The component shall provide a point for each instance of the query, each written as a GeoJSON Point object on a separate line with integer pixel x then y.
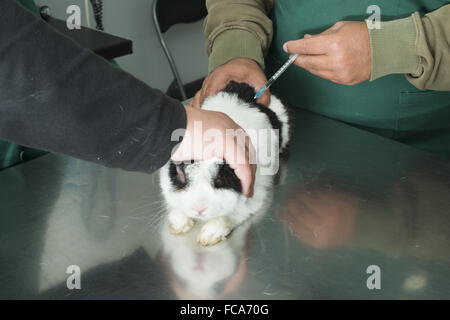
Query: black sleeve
{"type": "Point", "coordinates": [59, 97]}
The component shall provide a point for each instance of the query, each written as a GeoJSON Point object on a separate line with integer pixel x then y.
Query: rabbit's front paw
{"type": "Point", "coordinates": [179, 223]}
{"type": "Point", "coordinates": [214, 231]}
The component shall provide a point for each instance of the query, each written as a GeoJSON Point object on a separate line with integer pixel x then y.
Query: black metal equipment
{"type": "Point", "coordinates": [97, 6]}
{"type": "Point", "coordinates": [167, 13]}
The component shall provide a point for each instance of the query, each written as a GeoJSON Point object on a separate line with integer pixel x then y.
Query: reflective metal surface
{"type": "Point", "coordinates": [347, 200]}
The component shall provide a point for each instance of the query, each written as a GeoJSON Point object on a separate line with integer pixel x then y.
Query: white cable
{"type": "Point", "coordinates": [88, 20]}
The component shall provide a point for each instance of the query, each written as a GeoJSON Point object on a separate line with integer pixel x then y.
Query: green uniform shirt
{"type": "Point", "coordinates": [390, 106]}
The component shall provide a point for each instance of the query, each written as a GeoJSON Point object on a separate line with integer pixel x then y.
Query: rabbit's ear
{"type": "Point", "coordinates": [180, 174]}
{"type": "Point", "coordinates": [177, 175]}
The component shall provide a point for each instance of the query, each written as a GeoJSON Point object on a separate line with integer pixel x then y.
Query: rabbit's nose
{"type": "Point", "coordinates": [200, 212]}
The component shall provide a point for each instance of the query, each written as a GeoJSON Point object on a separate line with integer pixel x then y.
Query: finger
{"type": "Point", "coordinates": [311, 45]}
{"type": "Point", "coordinates": [238, 158]}
{"type": "Point", "coordinates": [206, 83]}
{"type": "Point", "coordinates": [245, 173]}
{"type": "Point", "coordinates": [251, 154]}
{"type": "Point", "coordinates": [316, 62]}
{"type": "Point", "coordinates": [215, 87]}
{"type": "Point", "coordinates": [264, 98]}
{"type": "Point", "coordinates": [201, 97]}
{"type": "Point", "coordinates": [251, 191]}
{"type": "Point", "coordinates": [196, 102]}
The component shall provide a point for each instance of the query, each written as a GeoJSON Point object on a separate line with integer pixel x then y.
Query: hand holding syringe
{"type": "Point", "coordinates": [276, 76]}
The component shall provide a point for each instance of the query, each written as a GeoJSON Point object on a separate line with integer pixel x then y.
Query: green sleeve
{"type": "Point", "coordinates": [237, 29]}
{"type": "Point", "coordinates": [392, 48]}
{"type": "Point", "coordinates": [415, 46]}
{"type": "Point", "coordinates": [233, 44]}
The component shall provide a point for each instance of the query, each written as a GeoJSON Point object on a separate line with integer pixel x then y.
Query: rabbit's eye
{"type": "Point", "coordinates": [178, 175]}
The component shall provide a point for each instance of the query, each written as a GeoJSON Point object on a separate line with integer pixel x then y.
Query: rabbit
{"type": "Point", "coordinates": [209, 191]}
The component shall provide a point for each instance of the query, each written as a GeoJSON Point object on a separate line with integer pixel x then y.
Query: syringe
{"type": "Point", "coordinates": [276, 75]}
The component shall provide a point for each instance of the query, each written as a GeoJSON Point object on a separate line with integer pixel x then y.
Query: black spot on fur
{"type": "Point", "coordinates": [243, 90]}
{"type": "Point", "coordinates": [246, 93]}
{"type": "Point", "coordinates": [174, 177]}
{"type": "Point", "coordinates": [227, 179]}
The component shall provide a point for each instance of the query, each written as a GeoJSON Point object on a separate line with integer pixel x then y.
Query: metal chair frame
{"type": "Point", "coordinates": [167, 53]}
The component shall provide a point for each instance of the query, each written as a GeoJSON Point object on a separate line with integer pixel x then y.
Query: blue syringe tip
{"type": "Point", "coordinates": [259, 93]}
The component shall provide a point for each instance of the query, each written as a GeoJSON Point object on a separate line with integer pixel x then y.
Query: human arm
{"type": "Point", "coordinates": [59, 97]}
{"type": "Point", "coordinates": [417, 47]}
{"type": "Point", "coordinates": [349, 52]}
{"type": "Point", "coordinates": [238, 35]}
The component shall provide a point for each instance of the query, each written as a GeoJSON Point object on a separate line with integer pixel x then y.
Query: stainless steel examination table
{"type": "Point", "coordinates": [353, 216]}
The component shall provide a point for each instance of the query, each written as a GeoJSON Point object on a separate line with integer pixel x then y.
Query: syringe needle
{"type": "Point", "coordinates": [276, 76]}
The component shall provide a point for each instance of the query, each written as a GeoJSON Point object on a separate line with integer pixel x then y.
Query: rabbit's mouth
{"type": "Point", "coordinates": [207, 214]}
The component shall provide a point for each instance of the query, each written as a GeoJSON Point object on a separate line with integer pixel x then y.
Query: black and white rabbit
{"type": "Point", "coordinates": [209, 191]}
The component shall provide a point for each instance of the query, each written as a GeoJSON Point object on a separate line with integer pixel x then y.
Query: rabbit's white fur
{"type": "Point", "coordinates": [225, 208]}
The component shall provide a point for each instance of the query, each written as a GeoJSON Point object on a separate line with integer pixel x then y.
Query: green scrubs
{"type": "Point", "coordinates": [389, 106]}
{"type": "Point", "coordinates": [10, 153]}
